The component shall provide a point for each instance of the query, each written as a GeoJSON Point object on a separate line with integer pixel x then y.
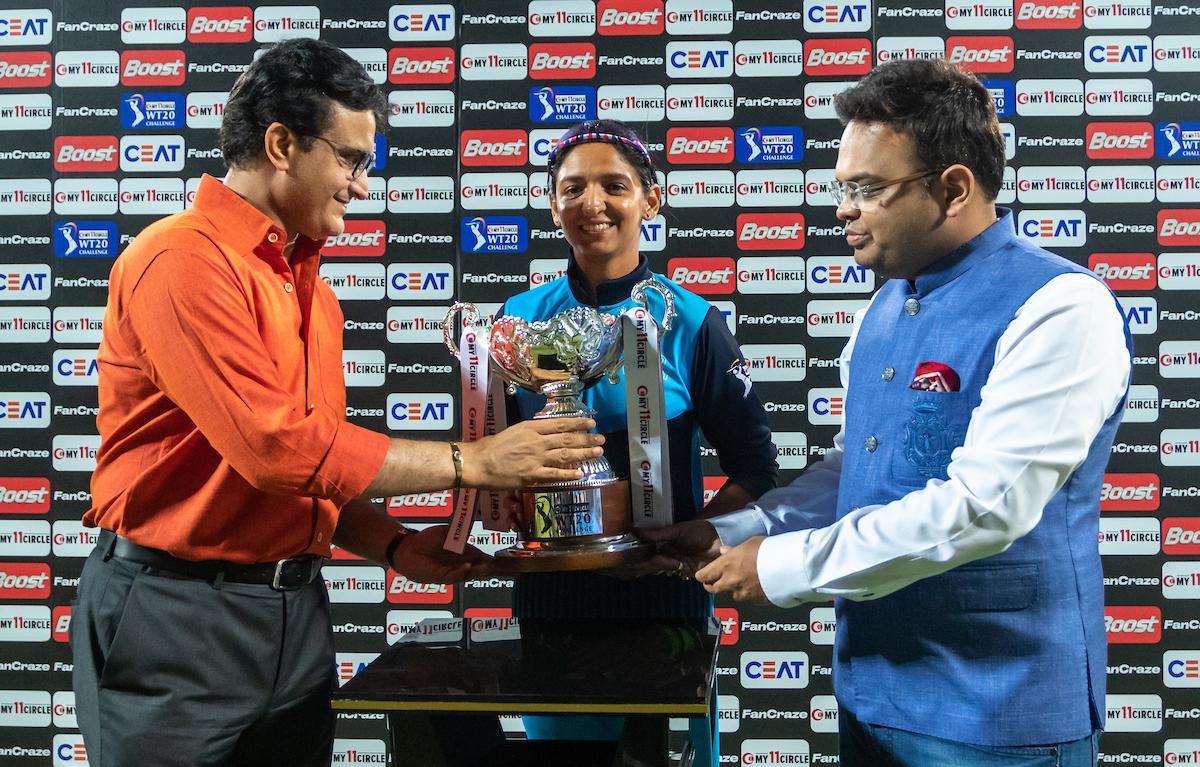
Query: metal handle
{"type": "Point", "coordinates": [469, 313]}
{"type": "Point", "coordinates": [638, 294]}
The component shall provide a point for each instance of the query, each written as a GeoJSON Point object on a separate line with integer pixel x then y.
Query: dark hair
{"type": "Point", "coordinates": [949, 114]}
{"type": "Point", "coordinates": [293, 83]}
{"type": "Point", "coordinates": [642, 163]}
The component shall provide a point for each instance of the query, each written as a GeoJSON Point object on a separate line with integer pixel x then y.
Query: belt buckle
{"type": "Point", "coordinates": [277, 579]}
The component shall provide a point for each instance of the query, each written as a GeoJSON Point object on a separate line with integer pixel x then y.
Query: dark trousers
{"type": "Point", "coordinates": [174, 671]}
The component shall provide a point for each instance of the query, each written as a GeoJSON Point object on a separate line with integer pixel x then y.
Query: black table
{"type": "Point", "coordinates": [476, 668]}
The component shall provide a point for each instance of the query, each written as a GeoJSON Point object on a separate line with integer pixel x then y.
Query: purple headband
{"type": "Point", "coordinates": [611, 138]}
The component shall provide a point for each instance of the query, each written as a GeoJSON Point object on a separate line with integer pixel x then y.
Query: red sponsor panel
{"type": "Point", "coordinates": [24, 580]}
{"type": "Point", "coordinates": [837, 56]}
{"type": "Point", "coordinates": [562, 61]}
{"type": "Point", "coordinates": [85, 154]}
{"type": "Point", "coordinates": [494, 147]}
{"type": "Point", "coordinates": [60, 623]}
{"type": "Point", "coordinates": [1133, 625]}
{"type": "Point", "coordinates": [1119, 141]}
{"type": "Point", "coordinates": [770, 231]}
{"type": "Point", "coordinates": [706, 276]}
{"type": "Point", "coordinates": [153, 68]}
{"type": "Point", "coordinates": [473, 613]}
{"type": "Point", "coordinates": [629, 17]}
{"type": "Point", "coordinates": [700, 145]}
{"type": "Point", "coordinates": [1049, 14]}
{"type": "Point", "coordinates": [433, 504]}
{"type": "Point", "coordinates": [1125, 271]}
{"type": "Point", "coordinates": [1181, 535]}
{"type": "Point", "coordinates": [420, 66]}
{"type": "Point", "coordinates": [728, 618]}
{"type": "Point", "coordinates": [1130, 492]}
{"type": "Point", "coordinates": [220, 24]}
{"type": "Point", "coordinates": [25, 69]}
{"type": "Point", "coordinates": [712, 485]}
{"type": "Point", "coordinates": [404, 591]}
{"type": "Point", "coordinates": [361, 237]}
{"type": "Point", "coordinates": [1179, 227]}
{"type": "Point", "coordinates": [984, 53]}
{"type": "Point", "coordinates": [336, 552]}
{"type": "Point", "coordinates": [24, 495]}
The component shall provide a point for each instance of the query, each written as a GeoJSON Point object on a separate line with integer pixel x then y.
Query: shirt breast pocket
{"type": "Point", "coordinates": [933, 424]}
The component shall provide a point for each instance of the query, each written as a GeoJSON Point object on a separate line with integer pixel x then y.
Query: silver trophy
{"type": "Point", "coordinates": [585, 523]}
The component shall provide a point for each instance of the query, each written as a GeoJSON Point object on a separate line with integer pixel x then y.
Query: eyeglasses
{"type": "Point", "coordinates": [354, 160]}
{"type": "Point", "coordinates": [857, 195]}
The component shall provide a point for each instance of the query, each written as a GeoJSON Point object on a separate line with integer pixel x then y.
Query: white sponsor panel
{"type": "Point", "coordinates": [420, 411]}
{"type": "Point", "coordinates": [420, 194]}
{"type": "Point", "coordinates": [830, 16]}
{"type": "Point", "coordinates": [1177, 53]}
{"type": "Point", "coordinates": [401, 623]}
{"type": "Point", "coordinates": [494, 191]}
{"type": "Point", "coordinates": [710, 102]}
{"type": "Point", "coordinates": [1179, 359]}
{"type": "Point", "coordinates": [1178, 183]}
{"type": "Point", "coordinates": [818, 98]}
{"type": "Point", "coordinates": [78, 324]}
{"type": "Point", "coordinates": [792, 449]}
{"type": "Point", "coordinates": [374, 203]}
{"type": "Point", "coordinates": [907, 48]}
{"type": "Point", "coordinates": [1181, 668]}
{"type": "Point", "coordinates": [25, 324]}
{"type": "Point", "coordinates": [24, 538]}
{"type": "Point", "coordinates": [1120, 183]}
{"type": "Point", "coordinates": [421, 23]}
{"type": "Point", "coordinates": [415, 324]}
{"type": "Point", "coordinates": [25, 708]}
{"type": "Point", "coordinates": [771, 188]}
{"type": "Point", "coordinates": [699, 17]}
{"type": "Point", "coordinates": [355, 281]}
{"type": "Point", "coordinates": [1181, 751]}
{"type": "Point", "coordinates": [63, 706]}
{"type": "Point", "coordinates": [25, 196]}
{"type": "Point", "coordinates": [768, 58]}
{"type": "Point", "coordinates": [152, 154]}
{"type": "Point", "coordinates": [374, 60]}
{"type": "Point", "coordinates": [729, 713]}
{"type": "Point", "coordinates": [1119, 98]}
{"type": "Point", "coordinates": [1141, 314]}
{"type": "Point", "coordinates": [1181, 580]}
{"type": "Point", "coordinates": [74, 452]}
{"type": "Point", "coordinates": [979, 14]}
{"type": "Point", "coordinates": [26, 111]}
{"type": "Point", "coordinates": [774, 670]}
{"type": "Point", "coordinates": [562, 18]}
{"type": "Point", "coordinates": [364, 367]}
{"type": "Point", "coordinates": [631, 103]}
{"type": "Point", "coordinates": [543, 270]}
{"type": "Point", "coordinates": [494, 61]}
{"type": "Point", "coordinates": [1042, 184]}
{"type": "Point", "coordinates": [1179, 271]}
{"type": "Point", "coordinates": [273, 23]}
{"type": "Point", "coordinates": [816, 187]}
{"type": "Point", "coordinates": [1008, 187]}
{"type": "Point", "coordinates": [653, 238]}
{"type": "Point", "coordinates": [205, 109]}
{"type": "Point", "coordinates": [153, 26]}
{"type": "Point", "coordinates": [823, 713]}
{"type": "Point", "coordinates": [833, 317]}
{"type": "Point", "coordinates": [775, 751]}
{"type": "Point", "coordinates": [354, 583]}
{"type": "Point", "coordinates": [24, 623]}
{"type": "Point", "coordinates": [1054, 228]}
{"type": "Point", "coordinates": [74, 367]}
{"type": "Point", "coordinates": [359, 751]}
{"type": "Point", "coordinates": [700, 188]}
{"type": "Point", "coordinates": [699, 59]}
{"type": "Point", "coordinates": [83, 197]}
{"type": "Point", "coordinates": [541, 141]}
{"type": "Point", "coordinates": [87, 69]}
{"type": "Point", "coordinates": [1133, 536]}
{"type": "Point", "coordinates": [1142, 404]}
{"type": "Point", "coordinates": [838, 274]}
{"type": "Point", "coordinates": [1117, 53]}
{"type": "Point", "coordinates": [1117, 14]}
{"type": "Point", "coordinates": [28, 26]}
{"type": "Point", "coordinates": [826, 406]}
{"type": "Point", "coordinates": [1049, 98]}
{"type": "Point", "coordinates": [151, 196]}
{"type": "Point", "coordinates": [1133, 713]}
{"type": "Point", "coordinates": [1179, 447]}
{"type": "Point", "coordinates": [776, 362]}
{"type": "Point", "coordinates": [770, 275]}
{"type": "Point", "coordinates": [24, 410]}
{"type": "Point", "coordinates": [421, 109]}
{"type": "Point", "coordinates": [822, 625]}
{"type": "Point", "coordinates": [728, 310]}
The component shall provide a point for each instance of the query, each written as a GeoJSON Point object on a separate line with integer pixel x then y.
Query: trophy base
{"type": "Point", "coordinates": [538, 557]}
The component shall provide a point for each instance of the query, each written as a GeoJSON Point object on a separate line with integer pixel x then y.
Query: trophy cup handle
{"type": "Point", "coordinates": [469, 313]}
{"type": "Point", "coordinates": [638, 294]}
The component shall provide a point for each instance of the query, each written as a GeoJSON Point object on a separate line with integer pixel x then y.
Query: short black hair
{"type": "Point", "coordinates": [947, 111]}
{"type": "Point", "coordinates": [293, 83]}
{"type": "Point", "coordinates": [642, 164]}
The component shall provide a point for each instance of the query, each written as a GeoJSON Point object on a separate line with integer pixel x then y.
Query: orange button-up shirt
{"type": "Point", "coordinates": [223, 430]}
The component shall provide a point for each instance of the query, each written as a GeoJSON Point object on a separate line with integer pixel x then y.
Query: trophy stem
{"type": "Point", "coordinates": [562, 400]}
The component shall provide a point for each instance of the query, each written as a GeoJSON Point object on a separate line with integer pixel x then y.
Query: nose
{"type": "Point", "coordinates": [593, 199]}
{"type": "Point", "coordinates": [847, 212]}
{"type": "Point", "coordinates": [360, 186]}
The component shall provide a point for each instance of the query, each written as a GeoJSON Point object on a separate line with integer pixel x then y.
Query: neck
{"type": "Point", "coordinates": [253, 186]}
{"type": "Point", "coordinates": [596, 272]}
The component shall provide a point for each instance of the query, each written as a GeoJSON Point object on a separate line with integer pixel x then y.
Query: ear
{"type": "Point", "coordinates": [653, 202]}
{"type": "Point", "coordinates": [279, 145]}
{"type": "Point", "coordinates": [554, 209]}
{"type": "Point", "coordinates": [958, 189]}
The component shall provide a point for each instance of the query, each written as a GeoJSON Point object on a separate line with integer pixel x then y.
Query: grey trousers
{"type": "Point", "coordinates": [174, 671]}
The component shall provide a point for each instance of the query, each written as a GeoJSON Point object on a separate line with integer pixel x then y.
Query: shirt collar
{"type": "Point", "coordinates": [244, 226]}
{"type": "Point", "coordinates": [962, 258]}
{"type": "Point", "coordinates": [609, 292]}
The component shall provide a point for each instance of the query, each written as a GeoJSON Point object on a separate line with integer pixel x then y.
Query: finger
{"type": "Point", "coordinates": [568, 457]}
{"type": "Point", "coordinates": [560, 425]}
{"type": "Point", "coordinates": [710, 573]}
{"type": "Point", "coordinates": [724, 549]}
{"type": "Point", "coordinates": [548, 474]}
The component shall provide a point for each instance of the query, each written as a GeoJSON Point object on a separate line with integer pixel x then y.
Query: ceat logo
{"type": "Point", "coordinates": [85, 154]}
{"type": "Point", "coordinates": [140, 68]}
{"type": "Point", "coordinates": [29, 27]}
{"type": "Point", "coordinates": [69, 749]}
{"type": "Point", "coordinates": [847, 56]}
{"type": "Point", "coordinates": [981, 54]}
{"type": "Point", "coordinates": [219, 25]}
{"type": "Point", "coordinates": [1129, 492]}
{"type": "Point", "coordinates": [1049, 14]}
{"type": "Point", "coordinates": [421, 22]}
{"type": "Point", "coordinates": [562, 61]}
{"type": "Point", "coordinates": [24, 580]}
{"type": "Point", "coordinates": [405, 591]}
{"type": "Point", "coordinates": [60, 623]}
{"type": "Point", "coordinates": [774, 669]}
{"type": "Point", "coordinates": [360, 237]}
{"type": "Point", "coordinates": [1181, 668]}
{"type": "Point", "coordinates": [728, 618]}
{"type": "Point", "coordinates": [770, 231]}
{"type": "Point", "coordinates": [412, 411]}
{"type": "Point", "coordinates": [25, 69]}
{"type": "Point", "coordinates": [1181, 535]}
{"type": "Point", "coordinates": [700, 59]}
{"type": "Point", "coordinates": [833, 16]}
{"type": "Point", "coordinates": [1130, 53]}
{"type": "Point", "coordinates": [418, 66]}
{"type": "Point", "coordinates": [24, 495]}
{"type": "Point", "coordinates": [699, 145]}
{"type": "Point", "coordinates": [1125, 271]}
{"type": "Point", "coordinates": [705, 276]}
{"type": "Point", "coordinates": [1133, 625]}
{"type": "Point", "coordinates": [1054, 227]}
{"type": "Point", "coordinates": [434, 504]}
{"type": "Point", "coordinates": [494, 147]}
{"type": "Point", "coordinates": [1179, 227]}
{"type": "Point", "coordinates": [1120, 141]}
{"type": "Point", "coordinates": [629, 17]}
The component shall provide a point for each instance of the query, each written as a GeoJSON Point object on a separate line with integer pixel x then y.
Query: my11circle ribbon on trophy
{"type": "Point", "coordinates": [590, 522]}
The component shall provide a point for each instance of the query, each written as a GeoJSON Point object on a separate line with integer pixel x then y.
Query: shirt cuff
{"type": "Point", "coordinates": [781, 571]}
{"type": "Point", "coordinates": [737, 526]}
{"type": "Point", "coordinates": [353, 462]}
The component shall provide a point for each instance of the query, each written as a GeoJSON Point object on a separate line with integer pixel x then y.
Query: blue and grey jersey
{"type": "Point", "coordinates": [707, 390]}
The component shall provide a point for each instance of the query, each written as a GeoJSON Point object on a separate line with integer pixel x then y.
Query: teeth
{"type": "Point", "coordinates": [596, 227]}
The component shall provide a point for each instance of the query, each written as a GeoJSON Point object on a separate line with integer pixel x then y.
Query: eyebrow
{"type": "Point", "coordinates": [617, 176]}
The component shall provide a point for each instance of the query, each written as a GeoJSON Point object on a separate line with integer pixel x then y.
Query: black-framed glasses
{"type": "Point", "coordinates": [857, 195]}
{"type": "Point", "coordinates": [354, 160]}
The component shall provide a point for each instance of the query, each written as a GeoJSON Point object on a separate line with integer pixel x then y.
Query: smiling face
{"type": "Point", "coordinates": [599, 203]}
{"type": "Point", "coordinates": [896, 233]}
{"type": "Point", "coordinates": [319, 186]}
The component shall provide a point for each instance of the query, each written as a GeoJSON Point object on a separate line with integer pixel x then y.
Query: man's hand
{"type": "Point", "coordinates": [530, 453]}
{"type": "Point", "coordinates": [685, 547]}
{"type": "Point", "coordinates": [735, 572]}
{"type": "Point", "coordinates": [420, 557]}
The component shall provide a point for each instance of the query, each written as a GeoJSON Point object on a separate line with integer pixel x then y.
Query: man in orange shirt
{"type": "Point", "coordinates": [227, 466]}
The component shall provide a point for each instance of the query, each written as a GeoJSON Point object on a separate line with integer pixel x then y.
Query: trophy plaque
{"type": "Point", "coordinates": [585, 523]}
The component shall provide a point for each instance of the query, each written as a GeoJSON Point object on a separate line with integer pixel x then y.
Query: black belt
{"type": "Point", "coordinates": [282, 575]}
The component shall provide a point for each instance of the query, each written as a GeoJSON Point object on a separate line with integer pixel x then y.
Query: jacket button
{"type": "Point", "coordinates": [272, 237]}
{"type": "Point", "coordinates": [888, 373]}
{"type": "Point", "coordinates": [870, 443]}
{"type": "Point", "coordinates": [912, 306]}
{"type": "Point", "coordinates": [287, 287]}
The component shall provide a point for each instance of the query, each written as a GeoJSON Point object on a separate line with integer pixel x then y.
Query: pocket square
{"type": "Point", "coordinates": [935, 376]}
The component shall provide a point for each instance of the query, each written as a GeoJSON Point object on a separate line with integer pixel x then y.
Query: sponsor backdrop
{"type": "Point", "coordinates": [108, 117]}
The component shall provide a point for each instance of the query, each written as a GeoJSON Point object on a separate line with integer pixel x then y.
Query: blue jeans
{"type": "Point", "coordinates": [872, 745]}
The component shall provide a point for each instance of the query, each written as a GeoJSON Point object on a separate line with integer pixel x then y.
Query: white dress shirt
{"type": "Point", "coordinates": [1061, 369]}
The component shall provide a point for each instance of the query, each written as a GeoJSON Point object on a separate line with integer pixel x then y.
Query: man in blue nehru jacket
{"type": "Point", "coordinates": [954, 522]}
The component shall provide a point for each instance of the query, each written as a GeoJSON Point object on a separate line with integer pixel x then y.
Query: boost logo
{"type": "Point", "coordinates": [417, 66]}
{"type": "Point", "coordinates": [219, 25]}
{"type": "Point", "coordinates": [699, 145]}
{"type": "Point", "coordinates": [141, 68]}
{"type": "Point", "coordinates": [494, 147]}
{"type": "Point", "coordinates": [562, 61]}
{"type": "Point", "coordinates": [981, 54]}
{"type": "Point", "coordinates": [85, 154]}
{"type": "Point", "coordinates": [361, 237]}
{"type": "Point", "coordinates": [1133, 625]}
{"type": "Point", "coordinates": [1124, 271]}
{"type": "Point", "coordinates": [629, 17]}
{"type": "Point", "coordinates": [706, 276]}
{"type": "Point", "coordinates": [848, 56]}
